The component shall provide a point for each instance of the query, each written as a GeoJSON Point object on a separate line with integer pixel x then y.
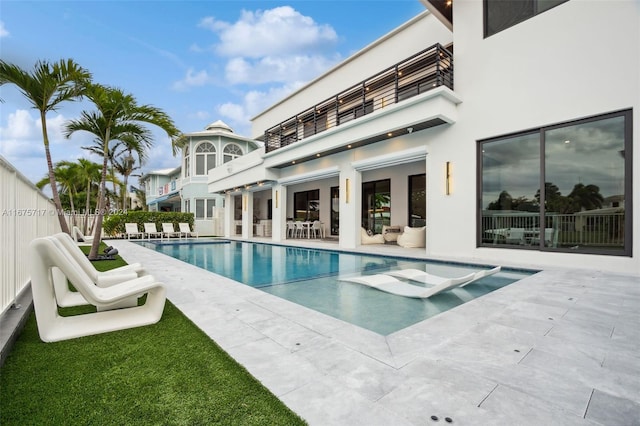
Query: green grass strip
{"type": "Point", "coordinates": [170, 373]}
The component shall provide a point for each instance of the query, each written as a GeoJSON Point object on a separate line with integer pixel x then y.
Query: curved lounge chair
{"type": "Point", "coordinates": [150, 229]}
{"type": "Point", "coordinates": [47, 255]}
{"type": "Point", "coordinates": [186, 230]}
{"type": "Point", "coordinates": [79, 237]}
{"type": "Point", "coordinates": [430, 279]}
{"type": "Point", "coordinates": [390, 284]}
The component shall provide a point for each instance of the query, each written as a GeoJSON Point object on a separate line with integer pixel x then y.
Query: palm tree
{"type": "Point", "coordinates": [118, 116]}
{"type": "Point", "coordinates": [89, 174]}
{"type": "Point", "coordinates": [65, 174]}
{"type": "Point", "coordinates": [45, 88]}
{"type": "Point", "coordinates": [587, 197]}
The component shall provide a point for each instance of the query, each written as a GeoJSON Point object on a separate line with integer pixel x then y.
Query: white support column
{"type": "Point", "coordinates": [350, 201]}
{"type": "Point", "coordinates": [279, 213]}
{"type": "Point", "coordinates": [229, 226]}
{"type": "Point", "coordinates": [247, 214]}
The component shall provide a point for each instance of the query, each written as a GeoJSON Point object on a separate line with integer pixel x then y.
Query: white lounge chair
{"type": "Point", "coordinates": [421, 276]}
{"type": "Point", "coordinates": [390, 284]}
{"type": "Point", "coordinates": [47, 255]}
{"type": "Point", "coordinates": [150, 229]}
{"type": "Point", "coordinates": [79, 237]}
{"type": "Point", "coordinates": [169, 231]}
{"type": "Point", "coordinates": [131, 229]}
{"type": "Point", "coordinates": [186, 230]}
{"type": "Point", "coordinates": [66, 298]}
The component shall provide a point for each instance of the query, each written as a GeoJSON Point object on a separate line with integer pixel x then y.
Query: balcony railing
{"type": "Point", "coordinates": [426, 70]}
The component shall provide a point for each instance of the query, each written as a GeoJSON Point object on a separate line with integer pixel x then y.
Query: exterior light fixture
{"type": "Point", "coordinates": [389, 134]}
{"type": "Point", "coordinates": [347, 190]}
{"type": "Point", "coordinates": [245, 200]}
{"type": "Point", "coordinates": [448, 178]}
{"type": "Point", "coordinates": [277, 199]}
{"type": "Point", "coordinates": [318, 155]}
{"type": "Point", "coordinates": [348, 146]}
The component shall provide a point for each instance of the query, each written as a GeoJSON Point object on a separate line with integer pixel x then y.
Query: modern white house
{"type": "Point", "coordinates": [505, 128]}
{"type": "Point", "coordinates": [184, 188]}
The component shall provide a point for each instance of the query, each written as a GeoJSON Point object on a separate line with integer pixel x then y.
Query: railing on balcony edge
{"type": "Point", "coordinates": [426, 70]}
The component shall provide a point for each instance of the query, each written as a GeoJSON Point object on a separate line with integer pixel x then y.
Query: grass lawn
{"type": "Point", "coordinates": [163, 374]}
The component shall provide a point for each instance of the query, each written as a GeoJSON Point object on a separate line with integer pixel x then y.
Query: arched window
{"type": "Point", "coordinates": [205, 158]}
{"type": "Point", "coordinates": [186, 171]}
{"type": "Point", "coordinates": [231, 151]}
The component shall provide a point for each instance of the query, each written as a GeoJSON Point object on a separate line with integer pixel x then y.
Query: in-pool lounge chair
{"type": "Point", "coordinates": [430, 279]}
{"type": "Point", "coordinates": [46, 254]}
{"type": "Point", "coordinates": [393, 285]}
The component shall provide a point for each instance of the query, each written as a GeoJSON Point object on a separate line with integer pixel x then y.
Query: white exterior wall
{"type": "Point", "coordinates": [408, 39]}
{"type": "Point", "coordinates": [578, 59]}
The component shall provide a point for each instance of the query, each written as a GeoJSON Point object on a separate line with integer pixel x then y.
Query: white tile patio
{"type": "Point", "coordinates": [561, 347]}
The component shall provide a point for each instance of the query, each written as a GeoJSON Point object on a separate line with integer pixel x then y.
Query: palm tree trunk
{"type": "Point", "coordinates": [87, 207]}
{"type": "Point", "coordinates": [64, 227]}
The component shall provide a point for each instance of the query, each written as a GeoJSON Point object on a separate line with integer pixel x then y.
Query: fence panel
{"type": "Point", "coordinates": [25, 214]}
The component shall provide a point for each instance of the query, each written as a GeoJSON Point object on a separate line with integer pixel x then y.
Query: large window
{"type": "Point", "coordinates": [231, 151]}
{"type": "Point", "coordinates": [565, 187]}
{"type": "Point", "coordinates": [502, 14]}
{"type": "Point", "coordinates": [186, 170]}
{"type": "Point", "coordinates": [376, 205]}
{"type": "Point", "coordinates": [307, 205]}
{"type": "Point", "coordinates": [204, 208]}
{"type": "Point", "coordinates": [205, 158]}
{"type": "Point", "coordinates": [417, 201]}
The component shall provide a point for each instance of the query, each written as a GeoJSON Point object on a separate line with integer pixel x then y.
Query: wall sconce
{"type": "Point", "coordinates": [277, 199]}
{"type": "Point", "coordinates": [347, 190]}
{"type": "Point", "coordinates": [244, 203]}
{"type": "Point", "coordinates": [447, 185]}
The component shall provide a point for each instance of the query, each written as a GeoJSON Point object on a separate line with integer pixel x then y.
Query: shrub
{"type": "Point", "coordinates": [114, 223]}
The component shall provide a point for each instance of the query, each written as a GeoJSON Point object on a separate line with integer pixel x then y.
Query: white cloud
{"type": "Point", "coordinates": [193, 79]}
{"type": "Point", "coordinates": [278, 31]}
{"type": "Point", "coordinates": [276, 69]}
{"type": "Point", "coordinates": [253, 102]}
{"type": "Point", "coordinates": [3, 31]}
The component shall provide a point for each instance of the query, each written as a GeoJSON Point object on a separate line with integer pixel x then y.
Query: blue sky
{"type": "Point", "coordinates": [200, 61]}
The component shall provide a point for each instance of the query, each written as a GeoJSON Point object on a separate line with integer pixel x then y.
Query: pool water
{"type": "Point", "coordinates": [309, 278]}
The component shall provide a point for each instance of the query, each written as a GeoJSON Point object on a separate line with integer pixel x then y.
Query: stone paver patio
{"type": "Point", "coordinates": [561, 347]}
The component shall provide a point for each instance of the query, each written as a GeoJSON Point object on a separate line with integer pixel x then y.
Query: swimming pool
{"type": "Point", "coordinates": [309, 277]}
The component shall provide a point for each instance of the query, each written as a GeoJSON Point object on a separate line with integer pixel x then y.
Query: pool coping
{"type": "Point", "coordinates": [479, 363]}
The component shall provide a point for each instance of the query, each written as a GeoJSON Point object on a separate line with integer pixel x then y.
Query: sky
{"type": "Point", "coordinates": [199, 61]}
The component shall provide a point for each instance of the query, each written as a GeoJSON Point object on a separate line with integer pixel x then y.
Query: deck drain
{"type": "Point", "coordinates": [516, 350]}
{"type": "Point", "coordinates": [434, 418]}
{"type": "Point", "coordinates": [448, 419]}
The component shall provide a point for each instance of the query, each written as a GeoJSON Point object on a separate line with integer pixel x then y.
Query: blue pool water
{"type": "Point", "coordinates": [309, 277]}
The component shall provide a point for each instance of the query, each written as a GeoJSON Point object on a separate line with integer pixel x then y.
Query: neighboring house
{"type": "Point", "coordinates": [185, 187]}
{"type": "Point", "coordinates": [162, 189]}
{"type": "Point", "coordinates": [496, 126]}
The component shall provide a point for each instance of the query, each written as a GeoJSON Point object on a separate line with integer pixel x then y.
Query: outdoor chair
{"type": "Point", "coordinates": [150, 229]}
{"type": "Point", "coordinates": [45, 255]}
{"type": "Point", "coordinates": [169, 231]}
{"type": "Point", "coordinates": [79, 237]}
{"type": "Point", "coordinates": [300, 230]}
{"type": "Point", "coordinates": [412, 237]}
{"type": "Point", "coordinates": [316, 229]}
{"type": "Point", "coordinates": [291, 228]}
{"type": "Point", "coordinates": [131, 229]}
{"type": "Point", "coordinates": [365, 238]}
{"type": "Point", "coordinates": [66, 298]}
{"type": "Point", "coordinates": [186, 230]}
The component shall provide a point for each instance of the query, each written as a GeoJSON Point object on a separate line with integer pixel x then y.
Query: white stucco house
{"type": "Point", "coordinates": [506, 131]}
{"type": "Point", "coordinates": [184, 188]}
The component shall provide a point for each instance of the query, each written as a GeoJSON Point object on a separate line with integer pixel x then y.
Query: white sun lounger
{"type": "Point", "coordinates": [47, 255]}
{"type": "Point", "coordinates": [80, 238]}
{"type": "Point", "coordinates": [390, 284]}
{"type": "Point", "coordinates": [430, 279]}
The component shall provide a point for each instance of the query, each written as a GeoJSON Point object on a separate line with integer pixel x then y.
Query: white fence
{"type": "Point", "coordinates": [25, 214]}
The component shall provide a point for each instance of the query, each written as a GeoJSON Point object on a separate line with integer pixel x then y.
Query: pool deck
{"type": "Point", "coordinates": [561, 347]}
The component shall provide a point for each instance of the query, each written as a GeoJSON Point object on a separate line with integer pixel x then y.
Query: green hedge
{"type": "Point", "coordinates": [114, 224]}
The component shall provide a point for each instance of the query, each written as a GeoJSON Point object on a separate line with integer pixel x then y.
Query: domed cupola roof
{"type": "Point", "coordinates": [219, 126]}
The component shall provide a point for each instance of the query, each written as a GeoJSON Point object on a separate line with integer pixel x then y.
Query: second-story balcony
{"type": "Point", "coordinates": [424, 71]}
